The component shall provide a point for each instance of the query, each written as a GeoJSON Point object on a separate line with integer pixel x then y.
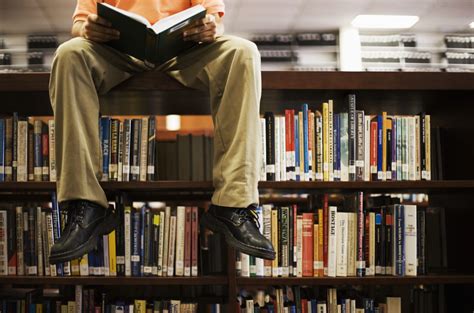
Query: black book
{"type": "Point", "coordinates": [171, 161]}
{"type": "Point", "coordinates": [270, 145]}
{"type": "Point", "coordinates": [155, 43]}
{"type": "Point", "coordinates": [420, 241]}
{"type": "Point", "coordinates": [197, 159]}
{"type": "Point", "coordinates": [352, 136]}
{"type": "Point", "coordinates": [359, 161]}
{"type": "Point", "coordinates": [120, 236]}
{"type": "Point", "coordinates": [150, 174]}
{"type": "Point", "coordinates": [148, 226]}
{"type": "Point", "coordinates": [135, 150]}
{"type": "Point", "coordinates": [184, 157]}
{"type": "Point", "coordinates": [435, 244]}
{"type": "Point", "coordinates": [208, 157]}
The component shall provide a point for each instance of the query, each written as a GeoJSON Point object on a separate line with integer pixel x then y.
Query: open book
{"type": "Point", "coordinates": [155, 43]}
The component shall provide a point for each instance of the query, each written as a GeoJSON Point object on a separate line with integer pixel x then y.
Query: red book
{"type": "Point", "coordinates": [325, 233]}
{"type": "Point", "coordinates": [308, 244]}
{"type": "Point", "coordinates": [373, 149]}
{"type": "Point", "coordinates": [290, 143]}
{"type": "Point", "coordinates": [194, 240]}
{"type": "Point", "coordinates": [304, 302]}
{"type": "Point", "coordinates": [187, 241]}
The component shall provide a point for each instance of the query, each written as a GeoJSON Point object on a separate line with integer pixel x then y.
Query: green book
{"type": "Point", "coordinates": [155, 43]}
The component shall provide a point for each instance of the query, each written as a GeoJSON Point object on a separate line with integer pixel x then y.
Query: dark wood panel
{"type": "Point", "coordinates": [375, 280]}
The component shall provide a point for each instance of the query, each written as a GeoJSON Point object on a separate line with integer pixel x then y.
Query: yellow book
{"type": "Point", "coordinates": [312, 151]}
{"type": "Point", "coordinates": [112, 255]}
{"type": "Point", "coordinates": [331, 140]}
{"type": "Point", "coordinates": [75, 267]}
{"type": "Point", "coordinates": [39, 308]}
{"type": "Point", "coordinates": [315, 249]}
{"type": "Point", "coordinates": [301, 145]}
{"type": "Point", "coordinates": [140, 306]}
{"type": "Point", "coordinates": [275, 269]}
{"type": "Point", "coordinates": [428, 146]}
{"type": "Point", "coordinates": [384, 145]}
{"type": "Point", "coordinates": [84, 265]}
{"type": "Point", "coordinates": [325, 141]}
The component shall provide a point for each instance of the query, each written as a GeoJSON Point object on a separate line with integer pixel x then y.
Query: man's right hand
{"type": "Point", "coordinates": [98, 29]}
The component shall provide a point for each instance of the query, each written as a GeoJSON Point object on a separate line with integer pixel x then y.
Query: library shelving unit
{"type": "Point", "coordinates": [447, 97]}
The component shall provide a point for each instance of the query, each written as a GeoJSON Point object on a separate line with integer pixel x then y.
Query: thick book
{"type": "Point", "coordinates": [155, 43]}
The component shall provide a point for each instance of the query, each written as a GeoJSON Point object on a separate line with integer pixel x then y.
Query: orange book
{"type": "Point", "coordinates": [321, 221]}
{"type": "Point", "coordinates": [307, 244]}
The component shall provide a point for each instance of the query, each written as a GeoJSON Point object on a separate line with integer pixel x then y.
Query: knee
{"type": "Point", "coordinates": [71, 48]}
{"type": "Point", "coordinates": [243, 48]}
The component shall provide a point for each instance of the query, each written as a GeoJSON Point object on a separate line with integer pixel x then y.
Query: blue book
{"type": "Point", "coordinates": [105, 140]}
{"type": "Point", "coordinates": [314, 305]}
{"type": "Point", "coordinates": [368, 305]}
{"type": "Point", "coordinates": [305, 142]}
{"type": "Point", "coordinates": [135, 251]}
{"type": "Point", "coordinates": [2, 150]}
{"type": "Point", "coordinates": [297, 149]}
{"type": "Point", "coordinates": [344, 146]}
{"type": "Point", "coordinates": [91, 262]}
{"type": "Point", "coordinates": [337, 147]}
{"type": "Point", "coordinates": [38, 151]}
{"type": "Point", "coordinates": [292, 308]}
{"type": "Point", "coordinates": [379, 147]}
{"type": "Point", "coordinates": [270, 308]}
{"type": "Point", "coordinates": [399, 220]}
{"type": "Point", "coordinates": [56, 228]}
{"type": "Point", "coordinates": [142, 239]}
{"type": "Point", "coordinates": [342, 302]}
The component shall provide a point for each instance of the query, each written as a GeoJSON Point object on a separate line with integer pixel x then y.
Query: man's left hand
{"type": "Point", "coordinates": [204, 31]}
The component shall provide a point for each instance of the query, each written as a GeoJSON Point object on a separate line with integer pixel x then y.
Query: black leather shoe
{"type": "Point", "coordinates": [240, 228]}
{"type": "Point", "coordinates": [86, 222]}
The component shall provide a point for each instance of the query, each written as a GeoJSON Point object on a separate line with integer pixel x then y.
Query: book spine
{"type": "Point", "coordinates": [127, 141]}
{"type": "Point", "coordinates": [147, 240]}
{"type": "Point", "coordinates": [319, 145]}
{"type": "Point", "coordinates": [373, 148]}
{"type": "Point", "coordinates": [423, 145]}
{"type": "Point", "coordinates": [127, 231]}
{"type": "Point", "coordinates": [352, 243]}
{"type": "Point", "coordinates": [384, 145]}
{"type": "Point", "coordinates": [359, 162]}
{"type": "Point", "coordinates": [160, 244]}
{"type": "Point", "coordinates": [112, 253]}
{"type": "Point", "coordinates": [410, 234]}
{"type": "Point", "coordinates": [428, 146]}
{"type": "Point", "coordinates": [32, 266]}
{"type": "Point", "coordinates": [305, 142]}
{"type": "Point", "coordinates": [388, 140]}
{"type": "Point", "coordinates": [341, 243]}
{"type": "Point", "coordinates": [299, 245]}
{"type": "Point", "coordinates": [3, 243]}
{"type": "Point", "coordinates": [187, 241]}
{"type": "Point", "coordinates": [105, 140]}
{"type": "Point", "coordinates": [331, 140]}
{"type": "Point", "coordinates": [344, 145]}
{"type": "Point", "coordinates": [15, 146]}
{"type": "Point", "coordinates": [52, 150]}
{"type": "Point", "coordinates": [312, 147]}
{"type": "Point", "coordinates": [180, 229]}
{"type": "Point", "coordinates": [50, 233]}
{"type": "Point", "coordinates": [8, 146]}
{"type": "Point", "coordinates": [274, 229]}
{"type": "Point", "coordinates": [135, 243]}
{"type": "Point", "coordinates": [315, 250]}
{"type": "Point", "coordinates": [417, 148]}
{"type": "Point", "coordinates": [143, 223]}
{"type": "Point", "coordinates": [172, 244]}
{"type": "Point", "coordinates": [301, 145]}
{"type": "Point", "coordinates": [337, 151]}
{"type": "Point", "coordinates": [378, 245]}
{"type": "Point", "coordinates": [104, 256]}
{"type": "Point", "coordinates": [372, 243]}
{"type": "Point", "coordinates": [393, 156]}
{"type": "Point", "coordinates": [56, 229]}
{"type": "Point", "coordinates": [283, 176]}
{"type": "Point", "coordinates": [404, 148]}
{"type": "Point", "coordinates": [44, 241]}
{"type": "Point", "coordinates": [421, 241]}
{"type": "Point", "coordinates": [320, 262]}
{"type": "Point", "coordinates": [45, 151]}
{"type": "Point", "coordinates": [194, 240]}
{"type": "Point", "coordinates": [360, 264]}
{"type": "Point", "coordinates": [143, 149]}
{"type": "Point", "coordinates": [388, 240]}
{"type": "Point", "coordinates": [276, 135]}
{"type": "Point", "coordinates": [155, 242]}
{"type": "Point", "coordinates": [270, 147]}
{"type": "Point", "coordinates": [326, 233]}
{"type": "Point", "coordinates": [325, 141]}
{"type": "Point", "coordinates": [398, 121]}
{"type": "Point", "coordinates": [332, 241]}
{"type": "Point", "coordinates": [285, 212]}
{"type": "Point", "coordinates": [352, 137]}
{"type": "Point", "coordinates": [166, 246]}
{"type": "Point", "coordinates": [367, 119]}
{"type": "Point", "coordinates": [38, 156]}
{"type": "Point", "coordinates": [263, 150]}
{"type": "Point", "coordinates": [135, 150]}
{"type": "Point", "coordinates": [113, 160]}
{"type": "Point", "coordinates": [39, 242]}
{"type": "Point", "coordinates": [380, 127]}
{"type": "Point", "coordinates": [120, 152]}
{"type": "Point", "coordinates": [120, 236]}
{"type": "Point", "coordinates": [151, 148]}
{"type": "Point", "coordinates": [11, 245]}
{"type": "Point", "coordinates": [30, 157]}
{"type": "Point", "coordinates": [267, 233]}
{"type": "Point", "coordinates": [411, 148]}
{"type": "Point", "coordinates": [297, 148]}
{"type": "Point", "coordinates": [22, 152]}
{"type": "Point", "coordinates": [291, 238]}
{"type": "Point", "coordinates": [399, 240]}
{"type": "Point", "coordinates": [307, 244]}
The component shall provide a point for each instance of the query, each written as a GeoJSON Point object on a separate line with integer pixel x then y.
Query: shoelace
{"type": "Point", "coordinates": [247, 214]}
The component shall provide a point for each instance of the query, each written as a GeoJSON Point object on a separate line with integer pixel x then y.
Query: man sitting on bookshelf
{"type": "Point", "coordinates": [225, 66]}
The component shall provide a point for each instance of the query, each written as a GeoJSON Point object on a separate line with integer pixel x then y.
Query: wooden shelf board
{"type": "Point", "coordinates": [126, 281]}
{"type": "Point", "coordinates": [298, 187]}
{"type": "Point", "coordinates": [374, 280]}
{"type": "Point", "coordinates": [277, 80]}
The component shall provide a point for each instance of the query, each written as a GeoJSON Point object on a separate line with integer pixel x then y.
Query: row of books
{"type": "Point", "coordinates": [147, 242]}
{"type": "Point", "coordinates": [301, 39]}
{"type": "Point", "coordinates": [460, 58]}
{"type": "Point", "coordinates": [396, 56]}
{"type": "Point", "coordinates": [314, 145]}
{"type": "Point", "coordinates": [464, 41]}
{"type": "Point", "coordinates": [350, 240]}
{"type": "Point", "coordinates": [90, 300]}
{"type": "Point", "coordinates": [394, 40]}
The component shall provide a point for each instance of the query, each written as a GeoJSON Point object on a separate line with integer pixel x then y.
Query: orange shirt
{"type": "Point", "coordinates": [152, 10]}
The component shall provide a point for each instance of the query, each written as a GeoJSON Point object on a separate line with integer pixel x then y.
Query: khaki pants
{"type": "Point", "coordinates": [229, 69]}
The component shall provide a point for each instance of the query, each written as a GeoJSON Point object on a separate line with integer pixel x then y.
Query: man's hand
{"type": "Point", "coordinates": [98, 29]}
{"type": "Point", "coordinates": [204, 31]}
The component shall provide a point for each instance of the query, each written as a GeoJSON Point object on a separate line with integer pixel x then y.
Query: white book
{"type": "Point", "coordinates": [49, 229]}
{"type": "Point", "coordinates": [417, 149]}
{"type": "Point", "coordinates": [160, 244]}
{"type": "Point", "coordinates": [277, 149]}
{"type": "Point", "coordinates": [331, 140]}
{"type": "Point", "coordinates": [267, 232]}
{"type": "Point", "coordinates": [127, 231]}
{"type": "Point", "coordinates": [180, 224]}
{"type": "Point", "coordinates": [171, 246]}
{"type": "Point", "coordinates": [52, 150]}
{"type": "Point", "coordinates": [263, 151]}
{"type": "Point", "coordinates": [332, 241]}
{"type": "Point", "coordinates": [245, 265]}
{"type": "Point", "coordinates": [3, 243]}
{"type": "Point", "coordinates": [22, 157]}
{"type": "Point", "coordinates": [283, 175]}
{"type": "Point", "coordinates": [143, 149]}
{"type": "Point", "coordinates": [410, 233]}
{"type": "Point", "coordinates": [259, 264]}
{"type": "Point", "coordinates": [44, 239]}
{"type": "Point", "coordinates": [166, 240]}
{"type": "Point", "coordinates": [372, 243]}
{"type": "Point", "coordinates": [321, 307]}
{"type": "Point", "coordinates": [299, 246]}
{"type": "Point", "coordinates": [351, 243]}
{"type": "Point", "coordinates": [367, 147]}
{"type": "Point", "coordinates": [120, 152]}
{"type": "Point", "coordinates": [39, 242]}
{"type": "Point", "coordinates": [20, 261]}
{"type": "Point", "coordinates": [341, 243]}
{"type": "Point", "coordinates": [428, 146]}
{"type": "Point", "coordinates": [411, 149]}
{"type": "Point", "coordinates": [394, 305]}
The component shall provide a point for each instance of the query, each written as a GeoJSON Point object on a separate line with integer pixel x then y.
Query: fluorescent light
{"type": "Point", "coordinates": [173, 122]}
{"type": "Point", "coordinates": [471, 25]}
{"type": "Point", "coordinates": [384, 21]}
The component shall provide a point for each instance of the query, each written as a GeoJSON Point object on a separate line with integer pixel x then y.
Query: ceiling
{"type": "Point", "coordinates": [249, 16]}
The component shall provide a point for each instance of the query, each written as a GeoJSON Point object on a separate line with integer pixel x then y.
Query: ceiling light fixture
{"type": "Point", "coordinates": [471, 25]}
{"type": "Point", "coordinates": [384, 21]}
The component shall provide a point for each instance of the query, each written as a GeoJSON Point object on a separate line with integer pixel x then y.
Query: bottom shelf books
{"type": "Point", "coordinates": [345, 300]}
{"type": "Point", "coordinates": [89, 300]}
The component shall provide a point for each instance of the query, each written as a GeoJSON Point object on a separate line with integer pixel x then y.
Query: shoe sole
{"type": "Point", "coordinates": [215, 225]}
{"type": "Point", "coordinates": [106, 227]}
